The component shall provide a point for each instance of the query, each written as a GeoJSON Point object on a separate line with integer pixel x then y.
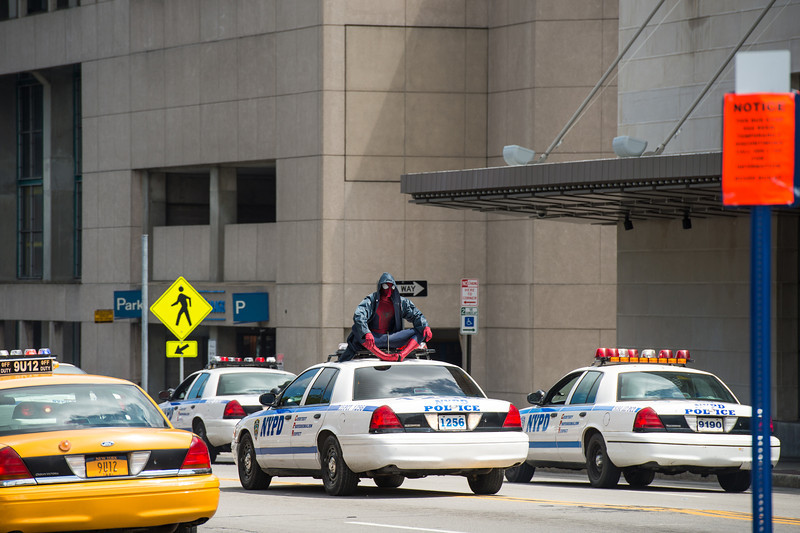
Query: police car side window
{"type": "Point", "coordinates": [586, 390]}
{"type": "Point", "coordinates": [294, 392]}
{"type": "Point", "coordinates": [322, 388]}
{"type": "Point", "coordinates": [197, 389]}
{"type": "Point", "coordinates": [183, 388]}
{"type": "Point", "coordinates": [558, 394]}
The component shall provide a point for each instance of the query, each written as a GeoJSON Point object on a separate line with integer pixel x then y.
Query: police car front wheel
{"type": "Point", "coordinates": [250, 474]}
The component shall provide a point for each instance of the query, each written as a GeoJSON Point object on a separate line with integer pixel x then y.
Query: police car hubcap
{"type": "Point", "coordinates": [332, 466]}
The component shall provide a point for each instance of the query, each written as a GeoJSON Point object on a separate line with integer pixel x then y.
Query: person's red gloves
{"type": "Point", "coordinates": [426, 334]}
{"type": "Point", "coordinates": [369, 342]}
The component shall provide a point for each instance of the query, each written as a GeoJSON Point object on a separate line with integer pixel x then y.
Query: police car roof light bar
{"type": "Point", "coordinates": [631, 355]}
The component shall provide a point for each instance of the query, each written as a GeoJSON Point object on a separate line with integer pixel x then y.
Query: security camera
{"type": "Point", "coordinates": [625, 146]}
{"type": "Point", "coordinates": [517, 155]}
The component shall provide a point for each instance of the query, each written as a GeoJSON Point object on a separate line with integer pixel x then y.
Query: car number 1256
{"type": "Point", "coordinates": [452, 422]}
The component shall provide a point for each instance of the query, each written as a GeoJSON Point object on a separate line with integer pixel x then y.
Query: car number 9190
{"type": "Point", "coordinates": [709, 425]}
{"type": "Point", "coordinates": [452, 422]}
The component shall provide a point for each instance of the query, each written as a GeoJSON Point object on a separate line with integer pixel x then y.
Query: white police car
{"type": "Point", "coordinates": [637, 415]}
{"type": "Point", "coordinates": [210, 401]}
{"type": "Point", "coordinates": [368, 418]}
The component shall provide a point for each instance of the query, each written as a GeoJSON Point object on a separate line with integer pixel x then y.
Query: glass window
{"type": "Point", "coordinates": [30, 164]}
{"type": "Point", "coordinates": [558, 394]}
{"type": "Point", "coordinates": [586, 390]}
{"type": "Point", "coordinates": [197, 389]}
{"type": "Point", "coordinates": [79, 406]}
{"type": "Point", "coordinates": [292, 395]}
{"type": "Point", "coordinates": [676, 385]}
{"type": "Point", "coordinates": [322, 388]}
{"type": "Point", "coordinates": [394, 381]}
{"type": "Point", "coordinates": [183, 388]}
{"type": "Point", "coordinates": [251, 382]}
{"type": "Point", "coordinates": [37, 6]}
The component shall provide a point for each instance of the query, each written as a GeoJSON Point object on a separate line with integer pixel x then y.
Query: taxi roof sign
{"type": "Point", "coordinates": [27, 366]}
{"type": "Point", "coordinates": [181, 308]}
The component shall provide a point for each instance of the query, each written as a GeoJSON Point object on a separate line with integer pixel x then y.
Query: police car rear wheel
{"type": "Point", "coordinates": [639, 477]}
{"type": "Point", "coordinates": [602, 472]}
{"type": "Point", "coordinates": [337, 477]}
{"type": "Point", "coordinates": [486, 483]}
{"type": "Point", "coordinates": [250, 474]}
{"type": "Point", "coordinates": [520, 474]}
{"type": "Point", "coordinates": [389, 482]}
{"type": "Point", "coordinates": [735, 481]}
{"type": "Point", "coordinates": [199, 429]}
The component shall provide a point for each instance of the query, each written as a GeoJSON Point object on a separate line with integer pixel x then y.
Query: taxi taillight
{"type": "Point", "coordinates": [12, 467]}
{"type": "Point", "coordinates": [197, 460]}
{"type": "Point", "coordinates": [233, 409]}
{"type": "Point", "coordinates": [512, 419]}
{"type": "Point", "coordinates": [647, 420]}
{"type": "Point", "coordinates": [384, 419]}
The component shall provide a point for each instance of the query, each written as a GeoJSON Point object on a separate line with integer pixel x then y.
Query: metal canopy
{"type": "Point", "coordinates": [603, 191]}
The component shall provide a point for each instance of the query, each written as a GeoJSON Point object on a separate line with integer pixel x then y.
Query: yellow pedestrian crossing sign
{"type": "Point", "coordinates": [181, 308]}
{"type": "Point", "coordinates": [181, 348]}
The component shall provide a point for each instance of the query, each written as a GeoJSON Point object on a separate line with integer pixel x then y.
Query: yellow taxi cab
{"type": "Point", "coordinates": [84, 452]}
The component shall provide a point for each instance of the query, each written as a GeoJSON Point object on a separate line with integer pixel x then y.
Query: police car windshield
{"type": "Point", "coordinates": [658, 385]}
{"type": "Point", "coordinates": [394, 381]}
{"type": "Point", "coordinates": [67, 407]}
{"type": "Point", "coordinates": [250, 382]}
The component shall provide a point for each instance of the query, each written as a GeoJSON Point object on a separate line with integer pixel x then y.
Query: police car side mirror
{"type": "Point", "coordinates": [165, 395]}
{"type": "Point", "coordinates": [536, 398]}
{"type": "Point", "coordinates": [268, 398]}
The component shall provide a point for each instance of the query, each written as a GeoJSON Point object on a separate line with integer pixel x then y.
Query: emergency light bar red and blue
{"type": "Point", "coordinates": [631, 355]}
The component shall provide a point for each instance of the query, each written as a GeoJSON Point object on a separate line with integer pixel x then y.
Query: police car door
{"type": "Point", "coordinates": [308, 420]}
{"type": "Point", "coordinates": [274, 429]}
{"type": "Point", "coordinates": [575, 415]}
{"type": "Point", "coordinates": [178, 410]}
{"type": "Point", "coordinates": [542, 423]}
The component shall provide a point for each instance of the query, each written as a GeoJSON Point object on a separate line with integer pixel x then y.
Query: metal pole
{"type": "Point", "coordinates": [469, 354]}
{"type": "Point", "coordinates": [145, 311]}
{"type": "Point", "coordinates": [760, 330]}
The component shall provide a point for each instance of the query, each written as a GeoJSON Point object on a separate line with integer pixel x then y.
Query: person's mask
{"type": "Point", "coordinates": [385, 286]}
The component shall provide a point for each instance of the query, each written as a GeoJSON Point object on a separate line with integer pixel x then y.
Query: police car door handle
{"type": "Point", "coordinates": [553, 415]}
{"type": "Point", "coordinates": [582, 414]}
{"type": "Point", "coordinates": [317, 415]}
{"type": "Point", "coordinates": [288, 417]}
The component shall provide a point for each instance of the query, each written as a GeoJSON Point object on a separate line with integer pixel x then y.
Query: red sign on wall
{"type": "Point", "coordinates": [758, 145]}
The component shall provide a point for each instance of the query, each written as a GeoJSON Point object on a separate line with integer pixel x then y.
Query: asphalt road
{"type": "Point", "coordinates": [553, 501]}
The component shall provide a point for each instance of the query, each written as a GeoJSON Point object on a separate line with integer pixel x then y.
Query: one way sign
{"type": "Point", "coordinates": [412, 288]}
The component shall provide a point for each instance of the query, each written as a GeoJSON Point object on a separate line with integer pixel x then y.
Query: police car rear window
{"type": "Point", "coordinates": [65, 407]}
{"type": "Point", "coordinates": [671, 386]}
{"type": "Point", "coordinates": [250, 382]}
{"type": "Point", "coordinates": [395, 381]}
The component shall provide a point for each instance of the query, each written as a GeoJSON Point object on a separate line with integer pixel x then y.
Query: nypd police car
{"type": "Point", "coordinates": [84, 452]}
{"type": "Point", "coordinates": [368, 418]}
{"type": "Point", "coordinates": [635, 415]}
{"type": "Point", "coordinates": [210, 401]}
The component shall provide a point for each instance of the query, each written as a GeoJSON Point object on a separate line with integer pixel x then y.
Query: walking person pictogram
{"type": "Point", "coordinates": [185, 303]}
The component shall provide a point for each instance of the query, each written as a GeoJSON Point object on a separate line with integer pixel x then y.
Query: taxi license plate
{"type": "Point", "coordinates": [709, 425]}
{"type": "Point", "coordinates": [452, 422]}
{"type": "Point", "coordinates": [107, 466]}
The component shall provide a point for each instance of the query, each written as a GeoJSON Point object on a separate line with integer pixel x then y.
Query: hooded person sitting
{"type": "Point", "coordinates": [378, 323]}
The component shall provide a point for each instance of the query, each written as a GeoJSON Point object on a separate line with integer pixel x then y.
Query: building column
{"type": "Point", "coordinates": [47, 185]}
{"type": "Point", "coordinates": [222, 211]}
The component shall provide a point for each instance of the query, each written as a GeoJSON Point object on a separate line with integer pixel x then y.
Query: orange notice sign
{"type": "Point", "coordinates": [758, 143]}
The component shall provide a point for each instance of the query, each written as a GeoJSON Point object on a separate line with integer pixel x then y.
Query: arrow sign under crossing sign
{"type": "Point", "coordinates": [181, 348]}
{"type": "Point", "coordinates": [181, 308]}
{"type": "Point", "coordinates": [412, 288]}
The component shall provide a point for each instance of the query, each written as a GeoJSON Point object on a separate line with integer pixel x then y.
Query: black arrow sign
{"type": "Point", "coordinates": [412, 288]}
{"type": "Point", "coordinates": [179, 351]}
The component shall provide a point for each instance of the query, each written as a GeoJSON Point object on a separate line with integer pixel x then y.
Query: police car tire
{"type": "Point", "coordinates": [199, 429]}
{"type": "Point", "coordinates": [601, 471]}
{"type": "Point", "coordinates": [250, 474]}
{"type": "Point", "coordinates": [520, 474]}
{"type": "Point", "coordinates": [389, 482]}
{"type": "Point", "coordinates": [735, 481]}
{"type": "Point", "coordinates": [337, 477]}
{"type": "Point", "coordinates": [639, 477]}
{"type": "Point", "coordinates": [489, 483]}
